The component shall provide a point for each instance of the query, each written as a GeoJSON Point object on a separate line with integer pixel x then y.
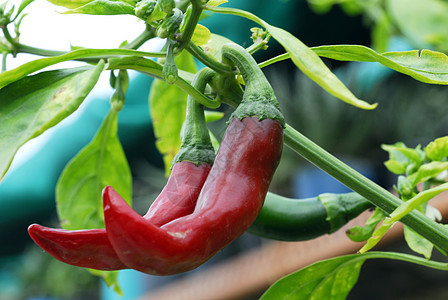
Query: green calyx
{"type": "Point", "coordinates": [341, 208]}
{"type": "Point", "coordinates": [195, 153]}
{"type": "Point", "coordinates": [196, 145]}
{"type": "Point", "coordinates": [260, 107]}
{"type": "Point", "coordinates": [169, 71]}
{"type": "Point", "coordinates": [259, 99]}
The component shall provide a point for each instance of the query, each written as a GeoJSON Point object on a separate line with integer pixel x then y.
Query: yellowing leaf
{"type": "Point", "coordinates": [216, 2]}
{"type": "Point", "coordinates": [214, 45]}
{"type": "Point", "coordinates": [201, 35]}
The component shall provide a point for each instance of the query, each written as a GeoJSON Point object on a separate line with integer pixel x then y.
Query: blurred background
{"type": "Point", "coordinates": [408, 111]}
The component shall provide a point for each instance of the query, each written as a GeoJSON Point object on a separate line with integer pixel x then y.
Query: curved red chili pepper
{"type": "Point", "coordinates": [229, 202]}
{"type": "Point", "coordinates": [91, 248]}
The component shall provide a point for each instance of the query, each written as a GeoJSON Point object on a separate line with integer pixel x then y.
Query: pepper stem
{"type": "Point", "coordinates": [259, 99]}
{"type": "Point", "coordinates": [196, 145]}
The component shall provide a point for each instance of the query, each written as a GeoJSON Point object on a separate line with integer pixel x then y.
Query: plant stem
{"type": "Point", "coordinates": [380, 197]}
{"type": "Point", "coordinates": [145, 36]}
{"type": "Point", "coordinates": [191, 24]}
{"type": "Point", "coordinates": [208, 60]}
{"type": "Point", "coordinates": [154, 69]}
{"type": "Point", "coordinates": [256, 83]}
{"type": "Point", "coordinates": [407, 258]}
{"type": "Point", "coordinates": [4, 56]}
{"type": "Point", "coordinates": [196, 145]}
{"type": "Point", "coordinates": [8, 36]}
{"type": "Point", "coordinates": [259, 45]}
{"type": "Point", "coordinates": [135, 44]}
{"type": "Point", "coordinates": [234, 11]}
{"type": "Point", "coordinates": [38, 51]}
{"type": "Point", "coordinates": [38, 64]}
{"type": "Point", "coordinates": [273, 60]}
{"type": "Point", "coordinates": [198, 96]}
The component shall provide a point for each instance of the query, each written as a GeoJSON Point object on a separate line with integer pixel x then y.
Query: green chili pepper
{"type": "Point", "coordinates": [287, 219]}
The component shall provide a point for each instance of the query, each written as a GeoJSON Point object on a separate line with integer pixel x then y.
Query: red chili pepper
{"type": "Point", "coordinates": [91, 248]}
{"type": "Point", "coordinates": [231, 197]}
{"type": "Point", "coordinates": [230, 200]}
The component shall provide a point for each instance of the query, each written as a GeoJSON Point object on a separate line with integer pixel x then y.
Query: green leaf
{"type": "Point", "coordinates": [395, 166]}
{"type": "Point", "coordinates": [33, 104]}
{"type": "Point", "coordinates": [110, 278]}
{"type": "Point", "coordinates": [399, 159]}
{"type": "Point", "coordinates": [213, 116]}
{"type": "Point", "coordinates": [381, 32]}
{"type": "Point", "coordinates": [312, 66]}
{"type": "Point", "coordinates": [23, 5]}
{"type": "Point", "coordinates": [3, 5]}
{"type": "Point", "coordinates": [304, 58]}
{"type": "Point", "coordinates": [401, 211]}
{"type": "Point", "coordinates": [335, 277]}
{"type": "Point", "coordinates": [363, 233]}
{"type": "Point", "coordinates": [438, 149]}
{"type": "Point", "coordinates": [418, 243]}
{"type": "Point", "coordinates": [403, 159]}
{"type": "Point", "coordinates": [428, 171]}
{"type": "Point", "coordinates": [321, 6]}
{"type": "Point", "coordinates": [104, 7]}
{"type": "Point", "coordinates": [215, 142]}
{"type": "Point", "coordinates": [79, 190]}
{"type": "Point", "coordinates": [157, 14]}
{"type": "Point", "coordinates": [328, 279]}
{"type": "Point", "coordinates": [424, 23]}
{"type": "Point", "coordinates": [201, 35]}
{"type": "Point", "coordinates": [38, 64]}
{"type": "Point", "coordinates": [426, 66]}
{"type": "Point", "coordinates": [412, 154]}
{"type": "Point", "coordinates": [70, 3]}
{"type": "Point", "coordinates": [168, 107]}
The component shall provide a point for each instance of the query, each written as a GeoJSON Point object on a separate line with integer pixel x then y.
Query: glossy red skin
{"type": "Point", "coordinates": [91, 248]}
{"type": "Point", "coordinates": [179, 196]}
{"type": "Point", "coordinates": [229, 202]}
{"type": "Point", "coordinates": [88, 248]}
